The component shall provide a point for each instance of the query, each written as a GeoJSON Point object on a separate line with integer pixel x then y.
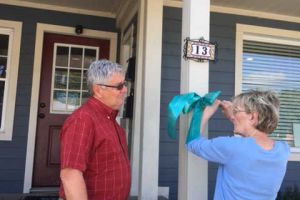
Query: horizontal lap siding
{"type": "Point", "coordinates": [13, 153]}
{"type": "Point", "coordinates": [170, 86]}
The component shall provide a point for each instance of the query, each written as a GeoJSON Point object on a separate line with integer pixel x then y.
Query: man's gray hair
{"type": "Point", "coordinates": [265, 103]}
{"type": "Point", "coordinates": [101, 71]}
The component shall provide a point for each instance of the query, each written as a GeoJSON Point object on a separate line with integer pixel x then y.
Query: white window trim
{"type": "Point", "coordinates": [13, 29]}
{"type": "Point", "coordinates": [251, 32]}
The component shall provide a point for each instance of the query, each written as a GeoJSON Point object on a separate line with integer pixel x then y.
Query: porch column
{"type": "Point", "coordinates": [193, 171]}
{"type": "Point", "coordinates": [149, 62]}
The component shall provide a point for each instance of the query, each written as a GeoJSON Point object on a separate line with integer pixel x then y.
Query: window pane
{"type": "Point", "coordinates": [76, 57]}
{"type": "Point", "coordinates": [89, 57]}
{"type": "Point", "coordinates": [85, 96]}
{"type": "Point", "coordinates": [75, 79]}
{"type": "Point", "coordinates": [73, 100]}
{"type": "Point", "coordinates": [276, 67]}
{"type": "Point", "coordinates": [4, 44]}
{"type": "Point", "coordinates": [62, 55]}
{"type": "Point", "coordinates": [84, 81]}
{"type": "Point", "coordinates": [61, 78]}
{"type": "Point", "coordinates": [59, 101]}
{"type": "Point", "coordinates": [3, 64]}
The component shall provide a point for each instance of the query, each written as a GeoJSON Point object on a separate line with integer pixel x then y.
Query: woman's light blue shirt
{"type": "Point", "coordinates": [246, 171]}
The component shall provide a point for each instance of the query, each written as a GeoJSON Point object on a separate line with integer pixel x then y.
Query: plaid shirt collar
{"type": "Point", "coordinates": [102, 108]}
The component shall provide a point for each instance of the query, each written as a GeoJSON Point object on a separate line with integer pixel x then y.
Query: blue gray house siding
{"type": "Point", "coordinates": [221, 77]}
{"type": "Point", "coordinates": [13, 153]}
{"type": "Point", "coordinates": [170, 86]}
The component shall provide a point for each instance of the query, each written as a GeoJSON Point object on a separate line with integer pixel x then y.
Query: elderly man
{"type": "Point", "coordinates": [94, 155]}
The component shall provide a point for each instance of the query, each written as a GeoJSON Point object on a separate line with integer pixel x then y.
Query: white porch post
{"type": "Point", "coordinates": [193, 171]}
{"type": "Point", "coordinates": [149, 60]}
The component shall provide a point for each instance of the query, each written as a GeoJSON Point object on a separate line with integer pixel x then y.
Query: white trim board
{"type": "Point", "coordinates": [57, 8]}
{"type": "Point", "coordinates": [237, 11]}
{"type": "Point", "coordinates": [40, 30]}
{"type": "Point", "coordinates": [252, 13]}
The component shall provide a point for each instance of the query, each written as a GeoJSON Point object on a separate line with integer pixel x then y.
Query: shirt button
{"type": "Point", "coordinates": [108, 117]}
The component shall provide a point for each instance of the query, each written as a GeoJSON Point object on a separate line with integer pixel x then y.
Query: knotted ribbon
{"type": "Point", "coordinates": [185, 103]}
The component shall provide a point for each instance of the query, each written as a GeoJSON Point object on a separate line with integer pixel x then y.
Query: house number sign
{"type": "Point", "coordinates": [199, 50]}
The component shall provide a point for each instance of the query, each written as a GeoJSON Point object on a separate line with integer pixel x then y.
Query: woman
{"type": "Point", "coordinates": [252, 166]}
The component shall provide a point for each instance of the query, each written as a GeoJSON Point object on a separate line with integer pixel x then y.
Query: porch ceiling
{"type": "Point", "coordinates": [282, 7]}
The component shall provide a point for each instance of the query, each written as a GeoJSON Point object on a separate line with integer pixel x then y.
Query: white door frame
{"type": "Point", "coordinates": [40, 30]}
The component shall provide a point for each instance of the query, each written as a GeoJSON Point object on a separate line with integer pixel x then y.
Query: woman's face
{"type": "Point", "coordinates": [242, 121]}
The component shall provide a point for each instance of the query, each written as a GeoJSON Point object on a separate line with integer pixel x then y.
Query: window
{"type": "Point", "coordinates": [270, 59]}
{"type": "Point", "coordinates": [69, 85]}
{"type": "Point", "coordinates": [10, 39]}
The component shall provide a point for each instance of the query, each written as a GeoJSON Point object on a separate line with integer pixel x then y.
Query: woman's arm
{"type": "Point", "coordinates": [227, 109]}
{"type": "Point", "coordinates": [208, 112]}
{"type": "Point", "coordinates": [215, 150]}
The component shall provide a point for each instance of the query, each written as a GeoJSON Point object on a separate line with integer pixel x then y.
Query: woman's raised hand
{"type": "Point", "coordinates": [227, 109]}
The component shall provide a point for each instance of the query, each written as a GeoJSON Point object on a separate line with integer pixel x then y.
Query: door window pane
{"type": "Point", "coordinates": [60, 81]}
{"type": "Point", "coordinates": [85, 96]}
{"type": "Point", "coordinates": [62, 56]}
{"type": "Point", "coordinates": [59, 101]}
{"type": "Point", "coordinates": [89, 57]}
{"type": "Point", "coordinates": [73, 100]}
{"type": "Point", "coordinates": [84, 81]}
{"type": "Point", "coordinates": [75, 79]}
{"type": "Point", "coordinates": [76, 57]}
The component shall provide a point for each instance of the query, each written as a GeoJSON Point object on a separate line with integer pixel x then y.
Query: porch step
{"type": "Point", "coordinates": [41, 198]}
{"type": "Point", "coordinates": [44, 197]}
{"type": "Point", "coordinates": [159, 198]}
{"type": "Point", "coordinates": [28, 197]}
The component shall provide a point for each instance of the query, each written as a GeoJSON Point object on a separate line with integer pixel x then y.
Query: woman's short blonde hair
{"type": "Point", "coordinates": [265, 103]}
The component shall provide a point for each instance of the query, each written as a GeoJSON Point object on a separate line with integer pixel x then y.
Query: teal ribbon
{"type": "Point", "coordinates": [184, 104]}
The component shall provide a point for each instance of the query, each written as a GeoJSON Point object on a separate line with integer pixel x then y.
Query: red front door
{"type": "Point", "coordinates": [62, 89]}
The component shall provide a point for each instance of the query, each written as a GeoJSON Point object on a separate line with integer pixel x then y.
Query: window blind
{"type": "Point", "coordinates": [276, 67]}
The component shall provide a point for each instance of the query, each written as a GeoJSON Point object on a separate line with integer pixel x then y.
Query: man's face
{"type": "Point", "coordinates": [110, 96]}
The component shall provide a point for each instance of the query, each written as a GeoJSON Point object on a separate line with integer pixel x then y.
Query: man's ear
{"type": "Point", "coordinates": [97, 91]}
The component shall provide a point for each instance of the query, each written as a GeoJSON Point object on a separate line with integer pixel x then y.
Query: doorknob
{"type": "Point", "coordinates": [41, 115]}
{"type": "Point", "coordinates": [42, 105]}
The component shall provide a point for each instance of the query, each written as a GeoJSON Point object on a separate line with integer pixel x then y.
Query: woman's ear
{"type": "Point", "coordinates": [254, 118]}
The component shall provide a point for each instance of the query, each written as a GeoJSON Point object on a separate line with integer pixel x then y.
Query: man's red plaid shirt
{"type": "Point", "coordinates": [93, 142]}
